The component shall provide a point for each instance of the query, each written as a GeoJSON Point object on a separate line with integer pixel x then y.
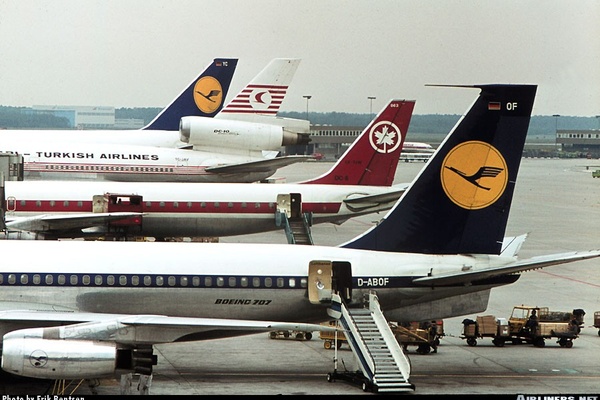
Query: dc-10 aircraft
{"type": "Point", "coordinates": [359, 183]}
{"type": "Point", "coordinates": [437, 254]}
{"type": "Point", "coordinates": [238, 148]}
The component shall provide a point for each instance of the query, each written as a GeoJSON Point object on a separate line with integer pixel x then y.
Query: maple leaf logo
{"type": "Point", "coordinates": [385, 137]}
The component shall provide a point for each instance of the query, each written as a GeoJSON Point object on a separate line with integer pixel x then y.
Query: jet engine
{"type": "Point", "coordinates": [72, 359]}
{"type": "Point", "coordinates": [202, 132]}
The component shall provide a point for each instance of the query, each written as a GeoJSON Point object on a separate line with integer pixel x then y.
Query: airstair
{"type": "Point", "coordinates": [384, 368]}
{"type": "Point", "coordinates": [289, 215]}
{"type": "Point", "coordinates": [297, 229]}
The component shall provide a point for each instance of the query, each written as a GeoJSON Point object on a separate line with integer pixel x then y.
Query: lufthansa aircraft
{"type": "Point", "coordinates": [439, 251]}
{"type": "Point", "coordinates": [238, 147]}
{"type": "Point", "coordinates": [359, 183]}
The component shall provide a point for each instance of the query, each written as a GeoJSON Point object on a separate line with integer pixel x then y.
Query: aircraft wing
{"type": "Point", "coordinates": [148, 328]}
{"type": "Point", "coordinates": [266, 165]}
{"type": "Point", "coordinates": [465, 277]}
{"type": "Point", "coordinates": [360, 202]}
{"type": "Point", "coordinates": [52, 222]}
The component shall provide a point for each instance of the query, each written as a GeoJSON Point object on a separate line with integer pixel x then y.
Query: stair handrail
{"type": "Point", "coordinates": [382, 324]}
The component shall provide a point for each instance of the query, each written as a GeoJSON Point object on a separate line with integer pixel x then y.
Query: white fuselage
{"type": "Point", "coordinates": [217, 280]}
{"type": "Point", "coordinates": [193, 209]}
{"type": "Point", "coordinates": [126, 156]}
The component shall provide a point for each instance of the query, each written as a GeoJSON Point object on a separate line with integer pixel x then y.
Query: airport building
{"type": "Point", "coordinates": [85, 117]}
{"type": "Point", "coordinates": [586, 142]}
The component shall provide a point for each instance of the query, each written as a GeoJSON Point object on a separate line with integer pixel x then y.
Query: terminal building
{"type": "Point", "coordinates": [82, 117]}
{"type": "Point", "coordinates": [584, 142]}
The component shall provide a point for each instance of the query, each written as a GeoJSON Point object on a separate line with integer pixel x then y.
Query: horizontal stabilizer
{"type": "Point", "coordinates": [466, 277]}
{"type": "Point", "coordinates": [258, 166]}
{"type": "Point", "coordinates": [357, 202]}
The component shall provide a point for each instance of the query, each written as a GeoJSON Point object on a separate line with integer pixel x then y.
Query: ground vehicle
{"type": "Point", "coordinates": [597, 321]}
{"type": "Point", "coordinates": [527, 325]}
{"type": "Point", "coordinates": [425, 335]}
{"type": "Point", "coordinates": [596, 173]}
{"type": "Point", "coordinates": [298, 335]}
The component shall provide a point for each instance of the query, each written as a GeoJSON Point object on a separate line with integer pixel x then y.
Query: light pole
{"type": "Point", "coordinates": [371, 98]}
{"type": "Point", "coordinates": [556, 129]}
{"type": "Point", "coordinates": [307, 97]}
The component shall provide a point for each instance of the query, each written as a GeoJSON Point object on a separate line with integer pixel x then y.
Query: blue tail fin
{"type": "Point", "coordinates": [202, 98]}
{"type": "Point", "coordinates": [460, 201]}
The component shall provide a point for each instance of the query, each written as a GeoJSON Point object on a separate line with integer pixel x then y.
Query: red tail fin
{"type": "Point", "coordinates": [373, 157]}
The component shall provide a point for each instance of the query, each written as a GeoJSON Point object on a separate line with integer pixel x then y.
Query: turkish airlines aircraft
{"type": "Point", "coordinates": [438, 253]}
{"type": "Point", "coordinates": [239, 148]}
{"type": "Point", "coordinates": [359, 183]}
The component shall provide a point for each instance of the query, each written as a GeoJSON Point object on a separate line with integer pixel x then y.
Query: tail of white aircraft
{"type": "Point", "coordinates": [459, 203]}
{"type": "Point", "coordinates": [266, 92]}
{"type": "Point", "coordinates": [203, 97]}
{"type": "Point", "coordinates": [373, 157]}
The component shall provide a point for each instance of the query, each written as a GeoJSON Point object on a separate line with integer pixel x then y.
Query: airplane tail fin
{"type": "Point", "coordinates": [266, 92]}
{"type": "Point", "coordinates": [460, 201]}
{"type": "Point", "coordinates": [374, 155]}
{"type": "Point", "coordinates": [202, 98]}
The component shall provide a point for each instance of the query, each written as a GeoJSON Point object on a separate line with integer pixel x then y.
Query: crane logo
{"type": "Point", "coordinates": [38, 358]}
{"type": "Point", "coordinates": [385, 137]}
{"type": "Point", "coordinates": [208, 94]}
{"type": "Point", "coordinates": [474, 175]}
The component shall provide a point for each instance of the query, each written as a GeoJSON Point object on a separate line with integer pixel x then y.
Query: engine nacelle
{"type": "Point", "coordinates": [58, 359]}
{"type": "Point", "coordinates": [240, 135]}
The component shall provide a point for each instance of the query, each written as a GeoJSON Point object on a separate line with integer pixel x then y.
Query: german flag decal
{"type": "Point", "coordinates": [474, 175]}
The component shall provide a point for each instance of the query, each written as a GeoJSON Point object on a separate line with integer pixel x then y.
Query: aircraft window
{"type": "Point", "coordinates": [86, 280]}
{"type": "Point", "coordinates": [232, 281]}
{"type": "Point", "coordinates": [217, 205]}
{"type": "Point", "coordinates": [122, 280]}
{"type": "Point", "coordinates": [256, 205]}
{"type": "Point", "coordinates": [183, 281]}
{"type": "Point", "coordinates": [23, 202]}
{"type": "Point", "coordinates": [220, 281]}
{"type": "Point", "coordinates": [98, 280]}
{"type": "Point", "coordinates": [175, 204]}
{"type": "Point", "coordinates": [80, 204]}
{"type": "Point", "coordinates": [161, 204]}
{"type": "Point", "coordinates": [36, 279]}
{"type": "Point", "coordinates": [12, 279]}
{"type": "Point", "coordinates": [38, 203]}
{"type": "Point", "coordinates": [303, 282]}
{"type": "Point", "coordinates": [196, 281]}
{"type": "Point", "coordinates": [280, 282]}
{"type": "Point", "coordinates": [203, 204]}
{"type": "Point", "coordinates": [49, 279]}
{"type": "Point", "coordinates": [170, 169]}
{"type": "Point", "coordinates": [110, 280]}
{"type": "Point", "coordinates": [1, 278]}
{"type": "Point", "coordinates": [66, 203]}
{"type": "Point", "coordinates": [73, 280]}
{"type": "Point", "coordinates": [256, 281]}
{"type": "Point", "coordinates": [61, 279]}
{"type": "Point", "coordinates": [207, 281]}
{"type": "Point", "coordinates": [148, 204]}
{"type": "Point", "coordinates": [292, 282]}
{"type": "Point", "coordinates": [230, 205]}
{"type": "Point", "coordinates": [135, 280]}
{"type": "Point", "coordinates": [160, 281]}
{"type": "Point", "coordinates": [147, 280]}
{"type": "Point", "coordinates": [11, 204]}
{"type": "Point", "coordinates": [171, 281]}
{"type": "Point", "coordinates": [268, 282]}
{"type": "Point", "coordinates": [244, 281]}
{"type": "Point", "coordinates": [189, 204]}
{"type": "Point", "coordinates": [271, 205]}
{"type": "Point", "coordinates": [52, 202]}
{"type": "Point", "coordinates": [244, 205]}
{"type": "Point", "coordinates": [24, 279]}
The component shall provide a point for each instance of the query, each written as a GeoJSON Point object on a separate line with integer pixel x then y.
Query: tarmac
{"type": "Point", "coordinates": [556, 201]}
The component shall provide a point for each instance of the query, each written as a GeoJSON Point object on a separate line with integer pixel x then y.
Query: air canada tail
{"type": "Point", "coordinates": [373, 157]}
{"type": "Point", "coordinates": [203, 97]}
{"type": "Point", "coordinates": [460, 201]}
{"type": "Point", "coordinates": [266, 92]}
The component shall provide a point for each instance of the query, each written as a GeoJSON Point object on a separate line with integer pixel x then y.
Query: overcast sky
{"type": "Point", "coordinates": [142, 53]}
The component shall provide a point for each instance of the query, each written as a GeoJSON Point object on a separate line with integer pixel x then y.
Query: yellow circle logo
{"type": "Point", "coordinates": [208, 94]}
{"type": "Point", "coordinates": [474, 175]}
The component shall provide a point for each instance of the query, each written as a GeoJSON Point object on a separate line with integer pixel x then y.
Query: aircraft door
{"type": "Point", "coordinates": [290, 204]}
{"type": "Point", "coordinates": [328, 277]}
